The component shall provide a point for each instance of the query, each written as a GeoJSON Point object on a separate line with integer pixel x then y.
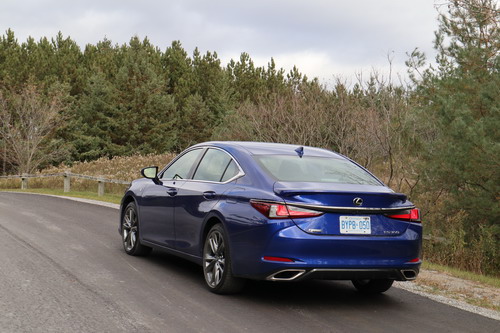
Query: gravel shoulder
{"type": "Point", "coordinates": [464, 294]}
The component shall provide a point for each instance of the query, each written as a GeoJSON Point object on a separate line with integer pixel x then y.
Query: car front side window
{"type": "Point", "coordinates": [181, 168]}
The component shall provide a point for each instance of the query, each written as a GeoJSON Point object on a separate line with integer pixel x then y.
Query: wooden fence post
{"type": "Point", "coordinates": [67, 181]}
{"type": "Point", "coordinates": [24, 182]}
{"type": "Point", "coordinates": [100, 188]}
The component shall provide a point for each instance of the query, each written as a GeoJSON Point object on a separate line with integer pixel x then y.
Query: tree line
{"type": "Point", "coordinates": [435, 137]}
{"type": "Point", "coordinates": [132, 98]}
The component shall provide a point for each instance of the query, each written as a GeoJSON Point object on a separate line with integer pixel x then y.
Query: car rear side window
{"type": "Point", "coordinates": [213, 166]}
{"type": "Point", "coordinates": [315, 169]}
{"type": "Point", "coordinates": [231, 171]}
{"type": "Point", "coordinates": [182, 166]}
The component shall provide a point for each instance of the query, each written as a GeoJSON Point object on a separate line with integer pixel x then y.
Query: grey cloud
{"type": "Point", "coordinates": [355, 33]}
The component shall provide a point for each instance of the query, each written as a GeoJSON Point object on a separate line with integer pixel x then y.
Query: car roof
{"type": "Point", "coordinates": [267, 148]}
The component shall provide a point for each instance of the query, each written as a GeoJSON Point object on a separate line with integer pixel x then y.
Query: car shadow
{"type": "Point", "coordinates": [315, 293]}
{"type": "Point", "coordinates": [311, 293]}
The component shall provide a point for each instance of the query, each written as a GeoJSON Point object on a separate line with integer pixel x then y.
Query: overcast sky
{"type": "Point", "coordinates": [322, 37]}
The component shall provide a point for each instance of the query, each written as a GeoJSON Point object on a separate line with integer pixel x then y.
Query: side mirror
{"type": "Point", "coordinates": [151, 173]}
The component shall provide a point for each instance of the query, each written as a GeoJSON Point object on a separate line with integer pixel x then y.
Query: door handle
{"type": "Point", "coordinates": [172, 191]}
{"type": "Point", "coordinates": [209, 194]}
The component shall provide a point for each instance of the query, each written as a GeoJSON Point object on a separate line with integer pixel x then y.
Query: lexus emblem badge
{"type": "Point", "coordinates": [357, 201]}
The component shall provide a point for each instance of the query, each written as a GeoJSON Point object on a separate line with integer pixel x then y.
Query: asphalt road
{"type": "Point", "coordinates": [63, 269]}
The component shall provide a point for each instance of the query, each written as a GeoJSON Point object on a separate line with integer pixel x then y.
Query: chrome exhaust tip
{"type": "Point", "coordinates": [409, 274]}
{"type": "Point", "coordinates": [286, 275]}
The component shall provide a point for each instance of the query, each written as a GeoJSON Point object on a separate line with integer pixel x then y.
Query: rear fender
{"type": "Point", "coordinates": [210, 220]}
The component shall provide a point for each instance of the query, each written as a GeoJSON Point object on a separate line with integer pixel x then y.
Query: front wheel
{"type": "Point", "coordinates": [375, 286]}
{"type": "Point", "coordinates": [130, 232]}
{"type": "Point", "coordinates": [217, 263]}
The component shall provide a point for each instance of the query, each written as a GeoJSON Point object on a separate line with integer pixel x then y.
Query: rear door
{"type": "Point", "coordinates": [198, 196]}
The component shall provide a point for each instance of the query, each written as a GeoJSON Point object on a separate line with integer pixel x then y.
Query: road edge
{"type": "Point", "coordinates": [89, 201]}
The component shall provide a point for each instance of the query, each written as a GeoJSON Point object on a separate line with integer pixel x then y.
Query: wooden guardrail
{"type": "Point", "coordinates": [67, 180]}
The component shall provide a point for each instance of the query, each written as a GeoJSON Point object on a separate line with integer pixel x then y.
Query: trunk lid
{"type": "Point", "coordinates": [349, 209]}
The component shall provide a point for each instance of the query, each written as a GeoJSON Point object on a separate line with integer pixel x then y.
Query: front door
{"type": "Point", "coordinates": [157, 213]}
{"type": "Point", "coordinates": [159, 200]}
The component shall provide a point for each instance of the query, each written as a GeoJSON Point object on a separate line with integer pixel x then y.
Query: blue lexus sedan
{"type": "Point", "coordinates": [278, 212]}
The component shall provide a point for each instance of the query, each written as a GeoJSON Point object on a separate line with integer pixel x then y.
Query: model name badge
{"type": "Point", "coordinates": [355, 225]}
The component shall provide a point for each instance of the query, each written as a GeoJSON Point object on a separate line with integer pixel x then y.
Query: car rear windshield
{"type": "Point", "coordinates": [314, 169]}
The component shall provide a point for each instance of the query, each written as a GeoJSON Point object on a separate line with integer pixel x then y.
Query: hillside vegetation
{"type": "Point", "coordinates": [108, 108]}
{"type": "Point", "coordinates": [125, 168]}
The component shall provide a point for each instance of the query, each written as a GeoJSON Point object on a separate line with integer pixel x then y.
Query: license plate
{"type": "Point", "coordinates": [355, 225]}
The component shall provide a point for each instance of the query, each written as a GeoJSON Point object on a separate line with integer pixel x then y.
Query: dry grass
{"type": "Point", "coordinates": [120, 168]}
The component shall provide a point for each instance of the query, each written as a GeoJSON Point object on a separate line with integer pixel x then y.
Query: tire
{"type": "Point", "coordinates": [130, 233]}
{"type": "Point", "coordinates": [217, 268]}
{"type": "Point", "coordinates": [376, 286]}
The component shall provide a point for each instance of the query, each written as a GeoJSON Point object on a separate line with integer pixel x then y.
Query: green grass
{"type": "Point", "coordinates": [112, 198]}
{"type": "Point", "coordinates": [484, 279]}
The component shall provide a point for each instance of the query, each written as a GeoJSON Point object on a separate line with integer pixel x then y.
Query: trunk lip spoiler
{"type": "Point", "coordinates": [337, 209]}
{"type": "Point", "coordinates": [291, 192]}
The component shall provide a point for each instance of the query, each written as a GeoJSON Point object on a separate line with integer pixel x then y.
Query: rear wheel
{"type": "Point", "coordinates": [375, 286]}
{"type": "Point", "coordinates": [217, 263]}
{"type": "Point", "coordinates": [130, 232]}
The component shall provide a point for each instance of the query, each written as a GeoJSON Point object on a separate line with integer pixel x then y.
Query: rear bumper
{"type": "Point", "coordinates": [406, 274]}
{"type": "Point", "coordinates": [326, 257]}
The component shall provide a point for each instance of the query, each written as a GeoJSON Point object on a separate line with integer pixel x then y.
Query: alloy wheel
{"type": "Point", "coordinates": [214, 260]}
{"type": "Point", "coordinates": [129, 229]}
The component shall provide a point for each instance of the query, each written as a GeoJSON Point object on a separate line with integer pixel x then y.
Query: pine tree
{"type": "Point", "coordinates": [195, 122]}
{"type": "Point", "coordinates": [461, 104]}
{"type": "Point", "coordinates": [246, 79]}
{"type": "Point", "coordinates": [212, 84]}
{"type": "Point", "coordinates": [147, 113]}
{"type": "Point", "coordinates": [12, 66]}
{"type": "Point", "coordinates": [94, 125]}
{"type": "Point", "coordinates": [178, 68]}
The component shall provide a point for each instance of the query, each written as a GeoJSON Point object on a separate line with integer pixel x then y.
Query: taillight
{"type": "Point", "coordinates": [282, 211]}
{"type": "Point", "coordinates": [412, 215]}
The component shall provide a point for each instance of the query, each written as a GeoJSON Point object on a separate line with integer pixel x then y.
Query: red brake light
{"type": "Point", "coordinates": [279, 259]}
{"type": "Point", "coordinates": [281, 211]}
{"type": "Point", "coordinates": [410, 215]}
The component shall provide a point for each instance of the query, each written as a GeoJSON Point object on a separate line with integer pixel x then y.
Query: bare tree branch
{"type": "Point", "coordinates": [28, 121]}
